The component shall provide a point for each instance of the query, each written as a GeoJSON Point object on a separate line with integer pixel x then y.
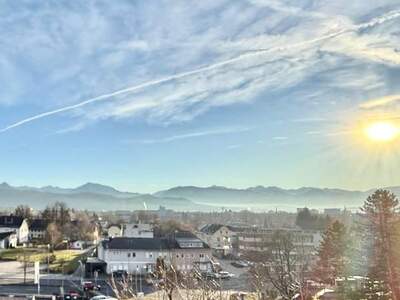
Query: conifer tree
{"type": "Point", "coordinates": [332, 254]}
{"type": "Point", "coordinates": [381, 212]}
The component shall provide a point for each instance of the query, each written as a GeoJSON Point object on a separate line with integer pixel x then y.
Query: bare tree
{"type": "Point", "coordinates": [123, 287]}
{"type": "Point", "coordinates": [23, 211]}
{"type": "Point", "coordinates": [53, 234]}
{"type": "Point", "coordinates": [282, 266]}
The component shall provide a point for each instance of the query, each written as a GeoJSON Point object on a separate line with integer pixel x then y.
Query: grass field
{"type": "Point", "coordinates": [60, 260]}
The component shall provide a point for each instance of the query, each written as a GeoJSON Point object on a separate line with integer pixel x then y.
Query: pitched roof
{"type": "Point", "coordinates": [213, 228]}
{"type": "Point", "coordinates": [38, 224]}
{"type": "Point", "coordinates": [136, 243]}
{"type": "Point", "coordinates": [11, 221]}
{"type": "Point", "coordinates": [4, 235]}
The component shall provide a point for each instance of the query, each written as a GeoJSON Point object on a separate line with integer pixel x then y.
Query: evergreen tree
{"type": "Point", "coordinates": [381, 212]}
{"type": "Point", "coordinates": [332, 254]}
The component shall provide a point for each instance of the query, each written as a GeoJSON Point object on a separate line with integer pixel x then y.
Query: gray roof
{"type": "Point", "coordinates": [143, 243]}
{"type": "Point", "coordinates": [38, 225]}
{"type": "Point", "coordinates": [11, 221]}
{"type": "Point", "coordinates": [213, 228]}
{"type": "Point", "coordinates": [4, 235]}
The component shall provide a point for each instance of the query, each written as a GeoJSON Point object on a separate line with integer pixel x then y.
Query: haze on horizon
{"type": "Point", "coordinates": [144, 96]}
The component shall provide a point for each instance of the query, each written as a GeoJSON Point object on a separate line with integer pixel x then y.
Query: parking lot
{"type": "Point", "coordinates": [239, 281]}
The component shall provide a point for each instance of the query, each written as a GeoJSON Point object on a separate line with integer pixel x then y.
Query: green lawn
{"type": "Point", "coordinates": [60, 260]}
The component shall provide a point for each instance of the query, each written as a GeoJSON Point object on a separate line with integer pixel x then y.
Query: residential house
{"type": "Point", "coordinates": [138, 230]}
{"type": "Point", "coordinates": [221, 238]}
{"type": "Point", "coordinates": [38, 229]}
{"type": "Point", "coordinates": [8, 239]}
{"type": "Point", "coordinates": [15, 224]}
{"type": "Point", "coordinates": [139, 255]}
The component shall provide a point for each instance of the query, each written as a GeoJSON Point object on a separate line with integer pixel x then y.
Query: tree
{"type": "Point", "coordinates": [53, 234]}
{"type": "Point", "coordinates": [58, 213]}
{"type": "Point", "coordinates": [283, 265]}
{"type": "Point", "coordinates": [382, 221]}
{"type": "Point", "coordinates": [332, 254]}
{"type": "Point", "coordinates": [168, 277]}
{"type": "Point", "coordinates": [23, 211]}
{"type": "Point", "coordinates": [306, 220]}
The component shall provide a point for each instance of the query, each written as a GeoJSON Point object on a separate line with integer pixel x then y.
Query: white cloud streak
{"type": "Point", "coordinates": [379, 102]}
{"type": "Point", "coordinates": [190, 135]}
{"type": "Point", "coordinates": [334, 33]}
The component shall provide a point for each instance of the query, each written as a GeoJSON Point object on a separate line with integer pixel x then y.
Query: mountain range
{"type": "Point", "coordinates": [93, 196]}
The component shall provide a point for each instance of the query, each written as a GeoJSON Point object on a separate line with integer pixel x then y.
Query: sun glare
{"type": "Point", "coordinates": [381, 131]}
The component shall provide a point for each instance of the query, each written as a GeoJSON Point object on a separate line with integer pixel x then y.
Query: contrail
{"type": "Point", "coordinates": [376, 21]}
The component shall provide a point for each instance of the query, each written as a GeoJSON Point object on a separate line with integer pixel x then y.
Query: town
{"type": "Point", "coordinates": [199, 150]}
{"type": "Point", "coordinates": [61, 252]}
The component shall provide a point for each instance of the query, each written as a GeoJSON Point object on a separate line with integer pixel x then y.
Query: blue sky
{"type": "Point", "coordinates": [145, 95]}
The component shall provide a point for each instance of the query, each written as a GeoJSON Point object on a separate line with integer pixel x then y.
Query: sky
{"type": "Point", "coordinates": [147, 95]}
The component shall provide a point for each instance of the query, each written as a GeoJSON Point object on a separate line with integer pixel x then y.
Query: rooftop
{"type": "Point", "coordinates": [11, 221]}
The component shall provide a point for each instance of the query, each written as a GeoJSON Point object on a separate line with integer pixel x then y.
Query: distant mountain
{"type": "Point", "coordinates": [93, 196]}
{"type": "Point", "coordinates": [90, 196]}
{"type": "Point", "coordinates": [261, 197]}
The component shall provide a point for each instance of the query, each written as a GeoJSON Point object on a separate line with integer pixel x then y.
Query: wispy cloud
{"type": "Point", "coordinates": [191, 135]}
{"type": "Point", "coordinates": [378, 102]}
{"type": "Point", "coordinates": [225, 68]}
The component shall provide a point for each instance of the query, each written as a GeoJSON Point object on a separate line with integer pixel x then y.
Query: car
{"type": "Point", "coordinates": [225, 275]}
{"type": "Point", "coordinates": [72, 295]}
{"type": "Point", "coordinates": [90, 286]}
{"type": "Point", "coordinates": [102, 297]}
{"type": "Point", "coordinates": [240, 264]}
{"type": "Point", "coordinates": [212, 275]}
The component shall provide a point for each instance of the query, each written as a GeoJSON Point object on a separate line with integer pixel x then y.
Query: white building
{"type": "Point", "coordinates": [138, 230]}
{"type": "Point", "coordinates": [8, 240]}
{"type": "Point", "coordinates": [15, 224]}
{"type": "Point", "coordinates": [220, 238]}
{"type": "Point", "coordinates": [139, 255]}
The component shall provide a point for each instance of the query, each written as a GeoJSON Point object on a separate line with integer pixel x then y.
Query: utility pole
{"type": "Point", "coordinates": [48, 259]}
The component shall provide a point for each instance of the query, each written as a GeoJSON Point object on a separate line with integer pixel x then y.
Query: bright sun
{"type": "Point", "coordinates": [381, 131]}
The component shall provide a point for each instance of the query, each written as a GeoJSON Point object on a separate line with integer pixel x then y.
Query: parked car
{"type": "Point", "coordinates": [225, 275]}
{"type": "Point", "coordinates": [212, 275]}
{"type": "Point", "coordinates": [102, 297]}
{"type": "Point", "coordinates": [90, 286]}
{"type": "Point", "coordinates": [240, 264]}
{"type": "Point", "coordinates": [72, 295]}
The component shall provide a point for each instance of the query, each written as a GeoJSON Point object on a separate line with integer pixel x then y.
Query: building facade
{"type": "Point", "coordinates": [37, 229]}
{"type": "Point", "coordinates": [221, 238]}
{"type": "Point", "coordinates": [259, 239]}
{"type": "Point", "coordinates": [139, 255]}
{"type": "Point", "coordinates": [8, 240]}
{"type": "Point", "coordinates": [15, 224]}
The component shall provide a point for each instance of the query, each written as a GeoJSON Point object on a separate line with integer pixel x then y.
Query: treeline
{"type": "Point", "coordinates": [308, 221]}
{"type": "Point", "coordinates": [63, 223]}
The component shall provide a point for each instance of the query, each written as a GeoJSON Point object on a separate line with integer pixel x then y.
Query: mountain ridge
{"type": "Point", "coordinates": [103, 197]}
